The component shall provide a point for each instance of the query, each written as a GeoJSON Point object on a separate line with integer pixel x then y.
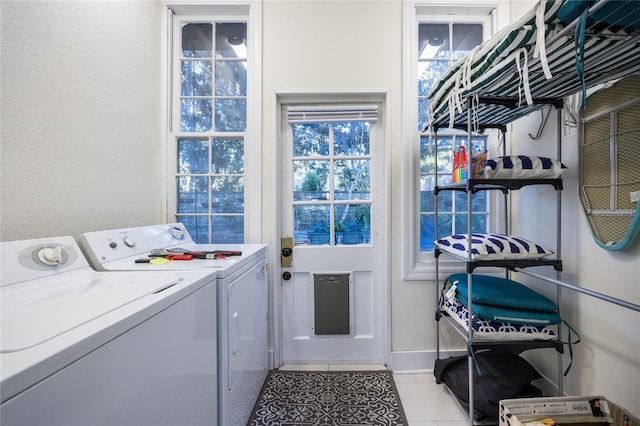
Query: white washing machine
{"type": "Point", "coordinates": [241, 299]}
{"type": "Point", "coordinates": [81, 347]}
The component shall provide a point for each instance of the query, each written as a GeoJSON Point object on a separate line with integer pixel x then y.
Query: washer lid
{"type": "Point", "coordinates": [36, 311]}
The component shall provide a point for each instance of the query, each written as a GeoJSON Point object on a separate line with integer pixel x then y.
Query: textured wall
{"type": "Point", "coordinates": [80, 116]}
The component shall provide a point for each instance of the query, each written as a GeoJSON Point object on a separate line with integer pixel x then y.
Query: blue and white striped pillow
{"type": "Point", "coordinates": [523, 167]}
{"type": "Point", "coordinates": [492, 247]}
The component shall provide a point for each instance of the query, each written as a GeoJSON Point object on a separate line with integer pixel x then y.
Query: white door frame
{"type": "Point", "coordinates": [280, 100]}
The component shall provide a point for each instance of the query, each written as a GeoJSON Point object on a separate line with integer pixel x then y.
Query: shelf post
{"type": "Point", "coordinates": [469, 258]}
{"type": "Point", "coordinates": [559, 245]}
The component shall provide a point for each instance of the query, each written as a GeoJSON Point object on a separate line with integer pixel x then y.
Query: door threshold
{"type": "Point", "coordinates": [333, 367]}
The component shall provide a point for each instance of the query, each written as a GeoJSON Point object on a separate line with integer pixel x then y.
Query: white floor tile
{"type": "Point", "coordinates": [358, 367]}
{"type": "Point", "coordinates": [426, 401]}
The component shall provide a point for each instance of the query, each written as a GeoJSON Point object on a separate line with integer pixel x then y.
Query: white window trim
{"type": "Point", "coordinates": [251, 10]}
{"type": "Point", "coordinates": [416, 266]}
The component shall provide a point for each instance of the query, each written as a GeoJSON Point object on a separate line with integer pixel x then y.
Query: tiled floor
{"type": "Point", "coordinates": [425, 402]}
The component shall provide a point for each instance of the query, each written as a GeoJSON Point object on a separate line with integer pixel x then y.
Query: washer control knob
{"type": "Point", "coordinates": [113, 244]}
{"type": "Point", "coordinates": [50, 255]}
{"type": "Point", "coordinates": [129, 241]}
{"type": "Point", "coordinates": [177, 233]}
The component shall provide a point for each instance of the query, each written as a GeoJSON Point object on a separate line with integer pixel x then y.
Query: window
{"type": "Point", "coordinates": [433, 43]}
{"type": "Point", "coordinates": [212, 127]}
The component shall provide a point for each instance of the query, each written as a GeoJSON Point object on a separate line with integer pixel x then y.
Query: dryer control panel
{"type": "Point", "coordinates": [116, 244]}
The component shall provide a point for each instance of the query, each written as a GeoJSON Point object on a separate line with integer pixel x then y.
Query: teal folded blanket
{"type": "Point", "coordinates": [502, 292]}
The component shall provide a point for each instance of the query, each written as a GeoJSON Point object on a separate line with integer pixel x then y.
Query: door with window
{"type": "Point", "coordinates": [334, 215]}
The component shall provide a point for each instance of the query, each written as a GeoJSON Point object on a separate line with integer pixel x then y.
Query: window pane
{"type": "Point", "coordinates": [196, 115]}
{"type": "Point", "coordinates": [478, 224]}
{"type": "Point", "coordinates": [310, 180]}
{"type": "Point", "coordinates": [193, 194]}
{"type": "Point", "coordinates": [427, 200]}
{"type": "Point", "coordinates": [310, 139]}
{"type": "Point", "coordinates": [311, 225]}
{"type": "Point", "coordinates": [231, 40]}
{"type": "Point", "coordinates": [445, 154]}
{"type": "Point", "coordinates": [427, 159]}
{"type": "Point", "coordinates": [227, 229]}
{"type": "Point", "coordinates": [227, 194]}
{"type": "Point", "coordinates": [352, 180]}
{"type": "Point", "coordinates": [428, 74]}
{"type": "Point", "coordinates": [351, 138]}
{"type": "Point", "coordinates": [478, 202]}
{"type": "Point", "coordinates": [231, 115]}
{"type": "Point", "coordinates": [445, 201]}
{"type": "Point", "coordinates": [197, 226]}
{"type": "Point", "coordinates": [196, 40]}
{"type": "Point", "coordinates": [427, 232]}
{"type": "Point", "coordinates": [231, 78]}
{"type": "Point", "coordinates": [445, 225]}
{"type": "Point", "coordinates": [460, 224]}
{"type": "Point", "coordinates": [196, 78]}
{"type": "Point", "coordinates": [465, 38]}
{"type": "Point", "coordinates": [352, 224]}
{"type": "Point", "coordinates": [227, 156]}
{"type": "Point", "coordinates": [423, 108]}
{"type": "Point", "coordinates": [193, 155]}
{"type": "Point", "coordinates": [433, 41]}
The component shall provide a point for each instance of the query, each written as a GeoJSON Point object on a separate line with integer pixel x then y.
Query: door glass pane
{"type": "Point", "coordinates": [310, 139]}
{"type": "Point", "coordinates": [352, 180]}
{"type": "Point", "coordinates": [310, 180]}
{"type": "Point", "coordinates": [352, 224]}
{"type": "Point", "coordinates": [311, 225]}
{"type": "Point", "coordinates": [351, 138]}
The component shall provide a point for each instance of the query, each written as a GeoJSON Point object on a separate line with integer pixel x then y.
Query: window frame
{"type": "Point", "coordinates": [215, 11]}
{"type": "Point", "coordinates": [419, 265]}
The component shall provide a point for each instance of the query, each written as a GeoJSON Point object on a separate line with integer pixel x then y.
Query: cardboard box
{"type": "Point", "coordinates": [565, 411]}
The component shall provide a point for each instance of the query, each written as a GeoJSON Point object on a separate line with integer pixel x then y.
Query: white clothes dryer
{"type": "Point", "coordinates": [80, 347]}
{"type": "Point", "coordinates": [241, 299]}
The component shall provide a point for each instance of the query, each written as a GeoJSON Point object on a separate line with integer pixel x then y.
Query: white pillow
{"type": "Point", "coordinates": [523, 167]}
{"type": "Point", "coordinates": [492, 247]}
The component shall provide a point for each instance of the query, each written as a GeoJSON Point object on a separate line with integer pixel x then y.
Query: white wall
{"type": "Point", "coordinates": [81, 151]}
{"type": "Point", "coordinates": [80, 116]}
{"type": "Point", "coordinates": [607, 359]}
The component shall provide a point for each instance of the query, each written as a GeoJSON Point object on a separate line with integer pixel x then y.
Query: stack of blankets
{"type": "Point", "coordinates": [503, 310]}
